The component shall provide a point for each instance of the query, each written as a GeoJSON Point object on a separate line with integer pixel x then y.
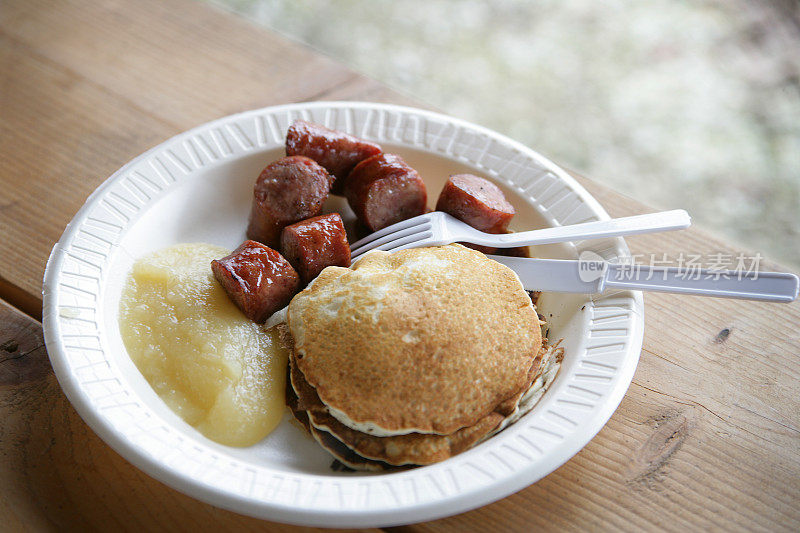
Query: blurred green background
{"type": "Point", "coordinates": [692, 104]}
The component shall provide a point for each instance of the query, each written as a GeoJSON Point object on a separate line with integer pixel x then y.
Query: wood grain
{"type": "Point", "coordinates": [57, 474]}
{"type": "Point", "coordinates": [87, 86]}
{"type": "Point", "coordinates": [707, 437]}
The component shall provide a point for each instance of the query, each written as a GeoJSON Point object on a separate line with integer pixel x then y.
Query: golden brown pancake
{"type": "Point", "coordinates": [550, 363]}
{"type": "Point", "coordinates": [332, 445]}
{"type": "Point", "coordinates": [411, 448]}
{"type": "Point", "coordinates": [360, 451]}
{"type": "Point", "coordinates": [345, 455]}
{"type": "Point", "coordinates": [427, 340]}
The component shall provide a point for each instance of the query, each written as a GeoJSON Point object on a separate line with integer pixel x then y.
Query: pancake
{"type": "Point", "coordinates": [360, 451]}
{"type": "Point", "coordinates": [345, 455]}
{"type": "Point", "coordinates": [408, 449]}
{"type": "Point", "coordinates": [551, 357]}
{"type": "Point", "coordinates": [427, 340]}
{"type": "Point", "coordinates": [331, 444]}
{"type": "Point", "coordinates": [336, 448]}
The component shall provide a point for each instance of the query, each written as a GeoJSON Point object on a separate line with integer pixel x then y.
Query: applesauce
{"type": "Point", "coordinates": [219, 371]}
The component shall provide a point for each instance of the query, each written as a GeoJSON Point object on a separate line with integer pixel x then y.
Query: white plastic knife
{"type": "Point", "coordinates": [590, 277]}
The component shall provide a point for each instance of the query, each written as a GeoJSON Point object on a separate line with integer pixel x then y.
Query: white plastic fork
{"type": "Point", "coordinates": [439, 228]}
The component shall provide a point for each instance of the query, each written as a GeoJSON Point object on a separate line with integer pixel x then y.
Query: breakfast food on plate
{"type": "Point", "coordinates": [385, 356]}
{"type": "Point", "coordinates": [217, 370]}
{"type": "Point", "coordinates": [404, 359]}
{"type": "Point", "coordinates": [316, 243]}
{"type": "Point", "coordinates": [257, 279]}
{"type": "Point", "coordinates": [288, 190]}
{"type": "Point", "coordinates": [476, 201]}
{"type": "Point", "coordinates": [338, 152]}
{"type": "Point", "coordinates": [405, 312]}
{"type": "Point", "coordinates": [368, 452]}
{"type": "Point", "coordinates": [384, 190]}
{"type": "Point", "coordinates": [408, 448]}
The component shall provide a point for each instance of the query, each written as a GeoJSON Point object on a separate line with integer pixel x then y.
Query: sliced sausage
{"type": "Point", "coordinates": [257, 279]}
{"type": "Point", "coordinates": [316, 243]}
{"type": "Point", "coordinates": [384, 190]}
{"type": "Point", "coordinates": [488, 250]}
{"type": "Point", "coordinates": [287, 191]}
{"type": "Point", "coordinates": [477, 202]}
{"type": "Point", "coordinates": [534, 296]}
{"type": "Point", "coordinates": [337, 151]}
{"type": "Point", "coordinates": [517, 251]}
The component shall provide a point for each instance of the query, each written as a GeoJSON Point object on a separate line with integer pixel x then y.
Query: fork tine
{"type": "Point", "coordinates": [403, 247]}
{"type": "Point", "coordinates": [390, 237]}
{"type": "Point", "coordinates": [397, 244]}
{"type": "Point", "coordinates": [391, 229]}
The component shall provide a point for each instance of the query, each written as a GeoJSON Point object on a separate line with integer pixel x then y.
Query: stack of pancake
{"type": "Point", "coordinates": [412, 357]}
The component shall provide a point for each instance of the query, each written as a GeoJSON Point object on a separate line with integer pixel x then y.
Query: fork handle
{"type": "Point", "coordinates": [616, 227]}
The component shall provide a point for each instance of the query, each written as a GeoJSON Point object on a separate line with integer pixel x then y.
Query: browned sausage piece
{"type": "Point", "coordinates": [337, 151]}
{"type": "Point", "coordinates": [257, 279]}
{"type": "Point", "coordinates": [287, 191]}
{"type": "Point", "coordinates": [517, 251]}
{"type": "Point", "coordinates": [488, 250]}
{"type": "Point", "coordinates": [314, 244]}
{"type": "Point", "coordinates": [384, 190]}
{"type": "Point", "coordinates": [476, 201]}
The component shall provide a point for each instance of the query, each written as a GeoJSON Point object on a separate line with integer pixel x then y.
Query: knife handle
{"type": "Point", "coordinates": [764, 286]}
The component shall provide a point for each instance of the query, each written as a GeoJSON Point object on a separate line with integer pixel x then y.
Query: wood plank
{"type": "Point", "coordinates": [61, 137]}
{"type": "Point", "coordinates": [57, 474]}
{"type": "Point", "coordinates": [705, 438]}
{"type": "Point", "coordinates": [708, 435]}
{"type": "Point", "coordinates": [87, 86]}
{"type": "Point", "coordinates": [181, 61]}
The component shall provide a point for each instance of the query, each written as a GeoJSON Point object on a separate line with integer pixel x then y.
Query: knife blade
{"type": "Point", "coordinates": [556, 275]}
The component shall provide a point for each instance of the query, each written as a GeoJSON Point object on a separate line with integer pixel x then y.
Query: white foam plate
{"type": "Point", "coordinates": [196, 187]}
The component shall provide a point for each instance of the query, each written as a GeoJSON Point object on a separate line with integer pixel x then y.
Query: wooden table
{"type": "Point", "coordinates": [706, 438]}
